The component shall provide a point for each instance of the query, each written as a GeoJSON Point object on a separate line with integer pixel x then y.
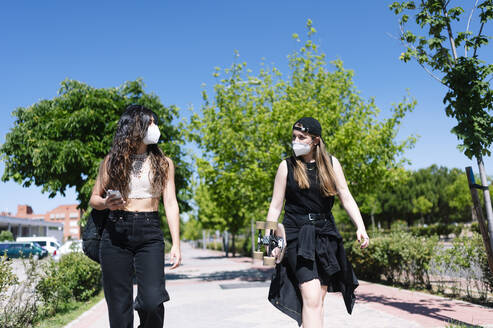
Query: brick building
{"type": "Point", "coordinates": [69, 215]}
{"type": "Point", "coordinates": [26, 212]}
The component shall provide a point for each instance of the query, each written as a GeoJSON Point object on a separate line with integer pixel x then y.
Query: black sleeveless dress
{"type": "Point", "coordinates": [315, 249]}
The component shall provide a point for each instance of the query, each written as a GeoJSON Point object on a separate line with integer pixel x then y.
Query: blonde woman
{"type": "Point", "coordinates": [315, 261]}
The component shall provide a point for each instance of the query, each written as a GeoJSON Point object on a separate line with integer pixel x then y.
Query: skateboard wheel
{"type": "Point", "coordinates": [269, 261]}
{"type": "Point", "coordinates": [258, 255]}
{"type": "Point", "coordinates": [271, 225]}
{"type": "Point", "coordinates": [260, 224]}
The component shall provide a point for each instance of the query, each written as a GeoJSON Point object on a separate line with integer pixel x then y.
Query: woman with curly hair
{"type": "Point", "coordinates": [131, 180]}
{"type": "Point", "coordinates": [315, 261]}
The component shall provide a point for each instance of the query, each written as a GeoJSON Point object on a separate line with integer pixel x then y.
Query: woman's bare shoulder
{"type": "Point", "coordinates": [168, 164]}
{"type": "Point", "coordinates": [335, 161]}
{"type": "Point", "coordinates": [283, 167]}
{"type": "Point", "coordinates": [169, 161]}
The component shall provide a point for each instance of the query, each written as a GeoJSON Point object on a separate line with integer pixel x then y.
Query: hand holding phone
{"type": "Point", "coordinates": [114, 200]}
{"type": "Point", "coordinates": [115, 193]}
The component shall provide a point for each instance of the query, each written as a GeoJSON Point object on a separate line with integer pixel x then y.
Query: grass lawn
{"type": "Point", "coordinates": [75, 310]}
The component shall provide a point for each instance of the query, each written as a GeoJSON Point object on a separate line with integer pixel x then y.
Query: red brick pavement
{"type": "Point", "coordinates": [425, 309]}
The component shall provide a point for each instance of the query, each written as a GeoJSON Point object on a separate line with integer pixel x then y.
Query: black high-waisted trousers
{"type": "Point", "coordinates": [132, 245]}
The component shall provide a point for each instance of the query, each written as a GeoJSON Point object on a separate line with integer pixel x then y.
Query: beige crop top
{"type": "Point", "coordinates": [140, 178]}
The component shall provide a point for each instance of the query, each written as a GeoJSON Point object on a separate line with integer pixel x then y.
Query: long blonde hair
{"type": "Point", "coordinates": [325, 171]}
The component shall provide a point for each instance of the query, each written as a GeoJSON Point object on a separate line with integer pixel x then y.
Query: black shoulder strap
{"type": "Point", "coordinates": [290, 161]}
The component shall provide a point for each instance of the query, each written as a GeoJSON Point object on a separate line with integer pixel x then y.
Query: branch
{"type": "Point", "coordinates": [476, 44]}
{"type": "Point", "coordinates": [431, 73]}
{"type": "Point", "coordinates": [468, 23]}
{"type": "Point", "coordinates": [407, 45]}
{"type": "Point", "coordinates": [449, 30]}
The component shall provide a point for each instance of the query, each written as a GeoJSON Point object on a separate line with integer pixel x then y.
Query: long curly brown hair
{"type": "Point", "coordinates": [130, 131]}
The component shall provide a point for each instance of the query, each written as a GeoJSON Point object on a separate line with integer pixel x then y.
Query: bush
{"type": "Point", "coordinates": [48, 288]}
{"type": "Point", "coordinates": [7, 277]}
{"type": "Point", "coordinates": [83, 275]}
{"type": "Point", "coordinates": [19, 301]}
{"type": "Point", "coordinates": [53, 291]}
{"type": "Point", "coordinates": [475, 226]}
{"type": "Point", "coordinates": [6, 235]}
{"type": "Point", "coordinates": [246, 245]}
{"type": "Point", "coordinates": [215, 245]}
{"type": "Point", "coordinates": [437, 229]}
{"type": "Point", "coordinates": [464, 265]}
{"type": "Point", "coordinates": [398, 256]}
{"type": "Point", "coordinates": [398, 225]}
{"type": "Point", "coordinates": [75, 277]}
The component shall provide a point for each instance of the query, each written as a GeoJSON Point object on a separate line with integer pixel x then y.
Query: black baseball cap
{"type": "Point", "coordinates": [310, 125]}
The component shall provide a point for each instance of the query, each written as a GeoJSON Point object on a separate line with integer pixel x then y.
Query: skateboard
{"type": "Point", "coordinates": [275, 238]}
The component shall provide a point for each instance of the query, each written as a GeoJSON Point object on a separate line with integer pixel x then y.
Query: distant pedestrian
{"type": "Point", "coordinates": [315, 261]}
{"type": "Point", "coordinates": [131, 180]}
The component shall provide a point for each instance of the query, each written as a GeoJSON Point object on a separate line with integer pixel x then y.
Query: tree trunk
{"type": "Point", "coordinates": [487, 198]}
{"type": "Point", "coordinates": [226, 242]}
{"type": "Point", "coordinates": [233, 246]}
{"type": "Point", "coordinates": [479, 215]}
{"type": "Point", "coordinates": [253, 236]}
{"type": "Point", "coordinates": [372, 217]}
{"type": "Point", "coordinates": [204, 246]}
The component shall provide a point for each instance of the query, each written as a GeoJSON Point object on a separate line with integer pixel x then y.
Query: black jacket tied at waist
{"type": "Point", "coordinates": [314, 242]}
{"type": "Point", "coordinates": [318, 241]}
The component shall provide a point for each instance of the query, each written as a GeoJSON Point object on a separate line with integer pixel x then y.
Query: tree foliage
{"type": "Point", "coordinates": [244, 132]}
{"type": "Point", "coordinates": [469, 98]}
{"type": "Point", "coordinates": [6, 235]}
{"type": "Point", "coordinates": [470, 101]}
{"type": "Point", "coordinates": [431, 195]}
{"type": "Point", "coordinates": [192, 229]}
{"type": "Point", "coordinates": [59, 143]}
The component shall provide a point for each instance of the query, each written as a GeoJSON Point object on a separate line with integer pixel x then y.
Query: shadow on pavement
{"type": "Point", "coordinates": [215, 257]}
{"type": "Point", "coordinates": [428, 308]}
{"type": "Point", "coordinates": [243, 275]}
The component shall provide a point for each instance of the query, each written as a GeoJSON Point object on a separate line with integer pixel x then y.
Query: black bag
{"type": "Point", "coordinates": [91, 236]}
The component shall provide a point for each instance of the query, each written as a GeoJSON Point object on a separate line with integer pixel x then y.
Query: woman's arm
{"type": "Point", "coordinates": [348, 203]}
{"type": "Point", "coordinates": [97, 201]}
{"type": "Point", "coordinates": [172, 214]}
{"type": "Point", "coordinates": [277, 201]}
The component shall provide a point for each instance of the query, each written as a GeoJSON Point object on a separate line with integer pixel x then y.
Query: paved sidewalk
{"type": "Point", "coordinates": [209, 290]}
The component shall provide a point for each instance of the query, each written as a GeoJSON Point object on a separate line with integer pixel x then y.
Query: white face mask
{"type": "Point", "coordinates": [301, 149]}
{"type": "Point", "coordinates": [152, 135]}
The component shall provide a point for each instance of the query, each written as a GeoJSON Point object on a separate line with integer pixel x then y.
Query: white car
{"type": "Point", "coordinates": [69, 247]}
{"type": "Point", "coordinates": [48, 243]}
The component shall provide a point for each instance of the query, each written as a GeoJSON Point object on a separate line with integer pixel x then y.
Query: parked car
{"type": "Point", "coordinates": [69, 247]}
{"type": "Point", "coordinates": [48, 243]}
{"type": "Point", "coordinates": [22, 249]}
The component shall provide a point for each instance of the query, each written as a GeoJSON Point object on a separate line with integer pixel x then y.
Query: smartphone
{"type": "Point", "coordinates": [116, 193]}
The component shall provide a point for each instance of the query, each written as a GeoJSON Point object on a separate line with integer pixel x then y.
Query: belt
{"type": "Point", "coordinates": [125, 215]}
{"type": "Point", "coordinates": [311, 217]}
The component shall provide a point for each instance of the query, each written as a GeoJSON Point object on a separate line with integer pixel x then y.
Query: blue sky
{"type": "Point", "coordinates": [175, 45]}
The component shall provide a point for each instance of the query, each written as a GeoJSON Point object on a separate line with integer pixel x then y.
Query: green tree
{"type": "Point", "coordinates": [244, 132]}
{"type": "Point", "coordinates": [371, 205]}
{"type": "Point", "coordinates": [6, 235]}
{"type": "Point", "coordinates": [458, 195]}
{"type": "Point", "coordinates": [432, 195]}
{"type": "Point", "coordinates": [469, 98]}
{"type": "Point", "coordinates": [422, 206]}
{"type": "Point", "coordinates": [192, 229]}
{"type": "Point", "coordinates": [59, 143]}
